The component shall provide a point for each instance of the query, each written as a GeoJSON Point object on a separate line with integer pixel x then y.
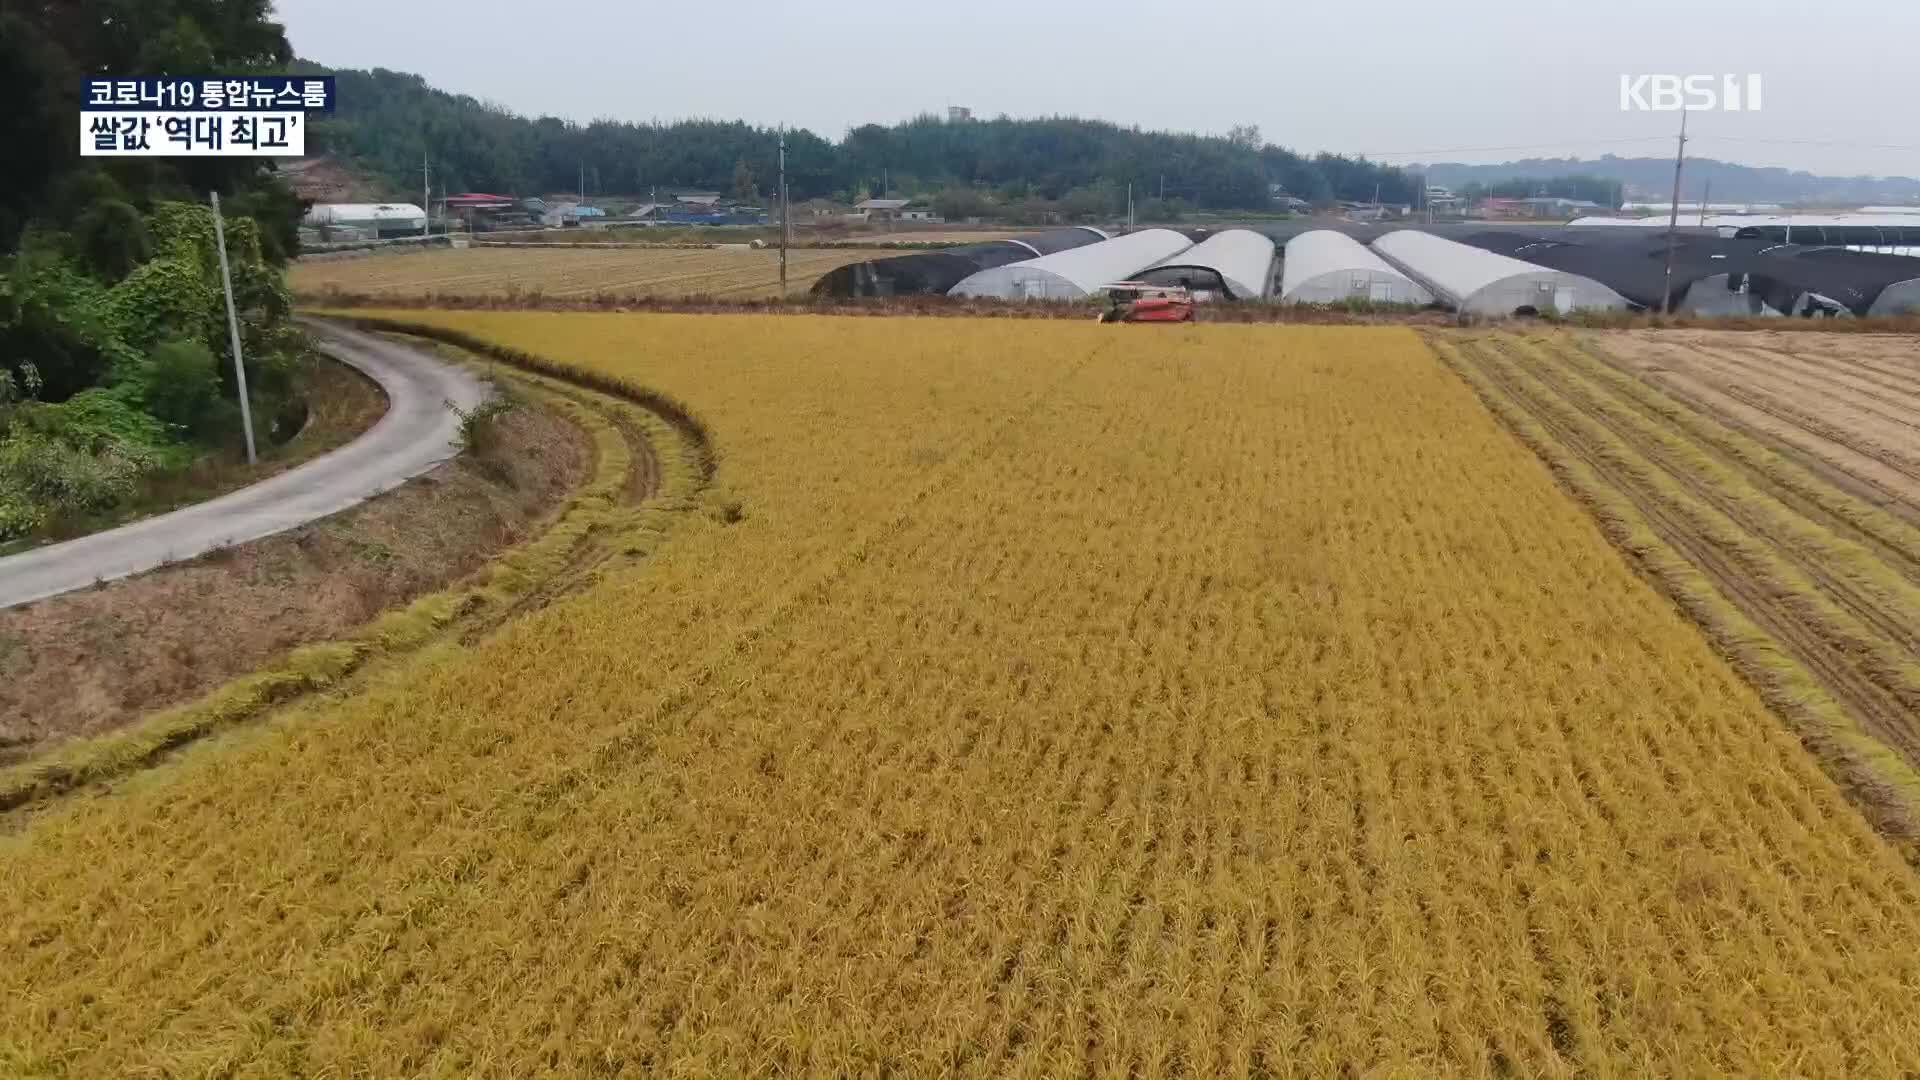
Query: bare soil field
{"type": "Point", "coordinates": [1772, 483]}
{"type": "Point", "coordinates": [1850, 402]}
{"type": "Point", "coordinates": [534, 273]}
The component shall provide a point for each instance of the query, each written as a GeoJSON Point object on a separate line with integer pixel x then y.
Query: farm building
{"type": "Point", "coordinates": [1077, 273]}
{"type": "Point", "coordinates": [891, 210]}
{"type": "Point", "coordinates": [571, 213]}
{"type": "Point", "coordinates": [481, 211]}
{"type": "Point", "coordinates": [1470, 279]}
{"type": "Point", "coordinates": [1236, 264]}
{"type": "Point", "coordinates": [377, 220]}
{"type": "Point", "coordinates": [938, 271]}
{"type": "Point", "coordinates": [1323, 267]}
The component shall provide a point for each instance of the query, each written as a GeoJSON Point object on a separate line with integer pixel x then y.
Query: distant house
{"type": "Point", "coordinates": [698, 198]}
{"type": "Point", "coordinates": [892, 210]}
{"type": "Point", "coordinates": [479, 210]}
{"type": "Point", "coordinates": [568, 214]}
{"type": "Point", "coordinates": [1544, 206]}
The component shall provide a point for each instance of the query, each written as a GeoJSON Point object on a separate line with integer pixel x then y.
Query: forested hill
{"type": "Point", "coordinates": [1652, 178]}
{"type": "Point", "coordinates": [387, 119]}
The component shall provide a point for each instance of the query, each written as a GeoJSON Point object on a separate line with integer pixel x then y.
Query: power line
{"type": "Point", "coordinates": [1811, 142]}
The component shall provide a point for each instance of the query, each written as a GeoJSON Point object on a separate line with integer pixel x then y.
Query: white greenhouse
{"type": "Point", "coordinates": [1077, 273]}
{"type": "Point", "coordinates": [1237, 263]}
{"type": "Point", "coordinates": [1899, 298]}
{"type": "Point", "coordinates": [1324, 267]}
{"type": "Point", "coordinates": [379, 219]}
{"type": "Point", "coordinates": [1470, 279]}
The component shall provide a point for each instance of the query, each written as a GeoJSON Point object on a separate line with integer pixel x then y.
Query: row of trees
{"type": "Point", "coordinates": [114, 358]}
{"type": "Point", "coordinates": [388, 119]}
{"type": "Point", "coordinates": [1598, 189]}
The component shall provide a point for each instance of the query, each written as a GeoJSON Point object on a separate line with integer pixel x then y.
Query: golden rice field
{"type": "Point", "coordinates": [1062, 700]}
{"type": "Point", "coordinates": [581, 273]}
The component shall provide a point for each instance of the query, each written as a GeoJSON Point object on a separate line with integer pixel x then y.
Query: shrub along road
{"type": "Point", "coordinates": [417, 433]}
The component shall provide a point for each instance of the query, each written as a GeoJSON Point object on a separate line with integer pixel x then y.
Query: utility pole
{"type": "Point", "coordinates": [1704, 196]}
{"type": "Point", "coordinates": [1129, 206]}
{"type": "Point", "coordinates": [1673, 217]}
{"type": "Point", "coordinates": [233, 324]}
{"type": "Point", "coordinates": [426, 200]}
{"type": "Point", "coordinates": [785, 214]}
{"type": "Point", "coordinates": [583, 181]}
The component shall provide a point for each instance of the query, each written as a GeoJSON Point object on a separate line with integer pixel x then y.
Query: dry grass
{"type": "Point", "coordinates": [1034, 698]}
{"type": "Point", "coordinates": [533, 274]}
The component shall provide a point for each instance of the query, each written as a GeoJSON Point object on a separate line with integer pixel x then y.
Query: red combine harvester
{"type": "Point", "coordinates": [1139, 302]}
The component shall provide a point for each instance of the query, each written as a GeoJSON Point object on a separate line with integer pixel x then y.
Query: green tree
{"type": "Point", "coordinates": [743, 186]}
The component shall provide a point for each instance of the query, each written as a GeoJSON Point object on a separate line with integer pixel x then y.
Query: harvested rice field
{"type": "Point", "coordinates": [524, 273]}
{"type": "Point", "coordinates": [1771, 482]}
{"type": "Point", "coordinates": [1027, 698]}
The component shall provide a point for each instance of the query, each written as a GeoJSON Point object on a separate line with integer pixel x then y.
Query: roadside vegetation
{"type": "Point", "coordinates": [91, 662]}
{"type": "Point", "coordinates": [553, 489]}
{"type": "Point", "coordinates": [115, 366]}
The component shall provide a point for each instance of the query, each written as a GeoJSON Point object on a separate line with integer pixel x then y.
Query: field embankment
{"type": "Point", "coordinates": [1033, 697]}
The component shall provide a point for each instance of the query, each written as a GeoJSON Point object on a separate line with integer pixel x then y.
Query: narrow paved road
{"type": "Point", "coordinates": [417, 433]}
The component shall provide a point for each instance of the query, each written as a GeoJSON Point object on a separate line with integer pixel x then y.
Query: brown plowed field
{"type": "Point", "coordinates": [1772, 484]}
{"type": "Point", "coordinates": [1849, 401]}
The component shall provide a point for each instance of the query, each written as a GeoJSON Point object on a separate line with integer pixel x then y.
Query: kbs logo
{"type": "Point", "coordinates": [1695, 93]}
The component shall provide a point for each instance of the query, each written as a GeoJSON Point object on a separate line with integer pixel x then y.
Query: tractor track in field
{"type": "Point", "coordinates": [1898, 493]}
{"type": "Point", "coordinates": [1851, 370]}
{"type": "Point", "coordinates": [1828, 661]}
{"type": "Point", "coordinates": [1797, 376]}
{"type": "Point", "coordinates": [1850, 596]}
{"type": "Point", "coordinates": [643, 482]}
{"type": "Point", "coordinates": [1860, 489]}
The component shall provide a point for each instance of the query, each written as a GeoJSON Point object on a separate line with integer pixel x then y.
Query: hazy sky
{"type": "Point", "coordinates": [1386, 77]}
